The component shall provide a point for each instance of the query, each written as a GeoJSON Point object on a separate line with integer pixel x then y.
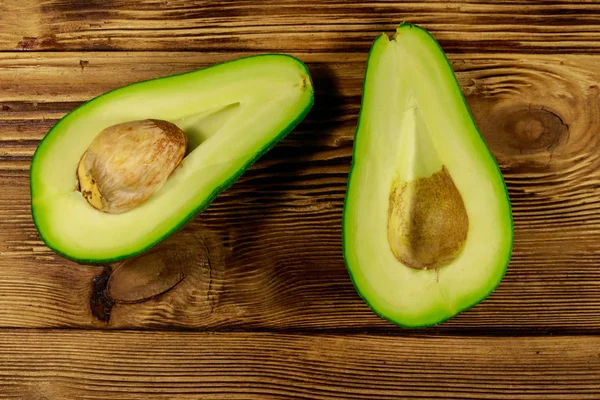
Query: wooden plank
{"type": "Point", "coordinates": [324, 25]}
{"type": "Point", "coordinates": [135, 365]}
{"type": "Point", "coordinates": [274, 238]}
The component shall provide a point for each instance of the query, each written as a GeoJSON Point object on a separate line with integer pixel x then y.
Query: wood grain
{"type": "Point", "coordinates": [267, 254]}
{"type": "Point", "coordinates": [263, 272]}
{"type": "Point", "coordinates": [324, 25]}
{"type": "Point", "coordinates": [160, 365]}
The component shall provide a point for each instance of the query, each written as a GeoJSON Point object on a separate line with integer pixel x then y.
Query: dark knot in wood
{"type": "Point", "coordinates": [529, 129]}
{"type": "Point", "coordinates": [100, 304]}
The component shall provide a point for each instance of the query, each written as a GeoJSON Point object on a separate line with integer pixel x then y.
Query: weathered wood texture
{"type": "Point", "coordinates": [324, 25]}
{"type": "Point", "coordinates": [141, 365]}
{"type": "Point", "coordinates": [266, 258]}
{"type": "Point", "coordinates": [274, 258]}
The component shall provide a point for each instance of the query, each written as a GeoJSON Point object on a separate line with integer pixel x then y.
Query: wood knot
{"type": "Point", "coordinates": [182, 271]}
{"type": "Point", "coordinates": [521, 136]}
{"type": "Point", "coordinates": [100, 304]}
{"type": "Point", "coordinates": [529, 130]}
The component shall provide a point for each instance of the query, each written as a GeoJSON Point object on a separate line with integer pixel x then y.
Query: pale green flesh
{"type": "Point", "coordinates": [231, 112]}
{"type": "Point", "coordinates": [413, 120]}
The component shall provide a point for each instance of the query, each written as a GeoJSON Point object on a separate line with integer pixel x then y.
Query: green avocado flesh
{"type": "Point", "coordinates": [427, 228]}
{"type": "Point", "coordinates": [232, 113]}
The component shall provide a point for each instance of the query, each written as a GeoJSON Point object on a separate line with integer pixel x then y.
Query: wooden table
{"type": "Point", "coordinates": [266, 308]}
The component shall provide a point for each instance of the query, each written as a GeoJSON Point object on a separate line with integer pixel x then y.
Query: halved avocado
{"type": "Point", "coordinates": [232, 113]}
{"type": "Point", "coordinates": [427, 225]}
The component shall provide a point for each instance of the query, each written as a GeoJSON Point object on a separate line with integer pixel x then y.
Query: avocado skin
{"type": "Point", "coordinates": [406, 25]}
{"type": "Point", "coordinates": [202, 206]}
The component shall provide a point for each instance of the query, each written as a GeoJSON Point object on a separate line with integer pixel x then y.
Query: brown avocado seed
{"type": "Point", "coordinates": [427, 221]}
{"type": "Point", "coordinates": [128, 162]}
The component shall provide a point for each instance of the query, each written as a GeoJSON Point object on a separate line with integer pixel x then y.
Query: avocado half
{"type": "Point", "coordinates": [232, 113]}
{"type": "Point", "coordinates": [427, 224]}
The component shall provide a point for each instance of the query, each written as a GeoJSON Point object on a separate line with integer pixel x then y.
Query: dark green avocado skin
{"type": "Point", "coordinates": [202, 206]}
{"type": "Point", "coordinates": [406, 25]}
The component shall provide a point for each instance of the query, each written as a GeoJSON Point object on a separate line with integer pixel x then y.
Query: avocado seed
{"type": "Point", "coordinates": [427, 221]}
{"type": "Point", "coordinates": [128, 162]}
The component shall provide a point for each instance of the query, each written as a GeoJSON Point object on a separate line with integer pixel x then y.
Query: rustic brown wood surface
{"type": "Point", "coordinates": [265, 260]}
{"type": "Point", "coordinates": [241, 365]}
{"type": "Point", "coordinates": [290, 25]}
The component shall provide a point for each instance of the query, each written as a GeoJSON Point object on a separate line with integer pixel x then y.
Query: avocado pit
{"type": "Point", "coordinates": [427, 221]}
{"type": "Point", "coordinates": [128, 162]}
